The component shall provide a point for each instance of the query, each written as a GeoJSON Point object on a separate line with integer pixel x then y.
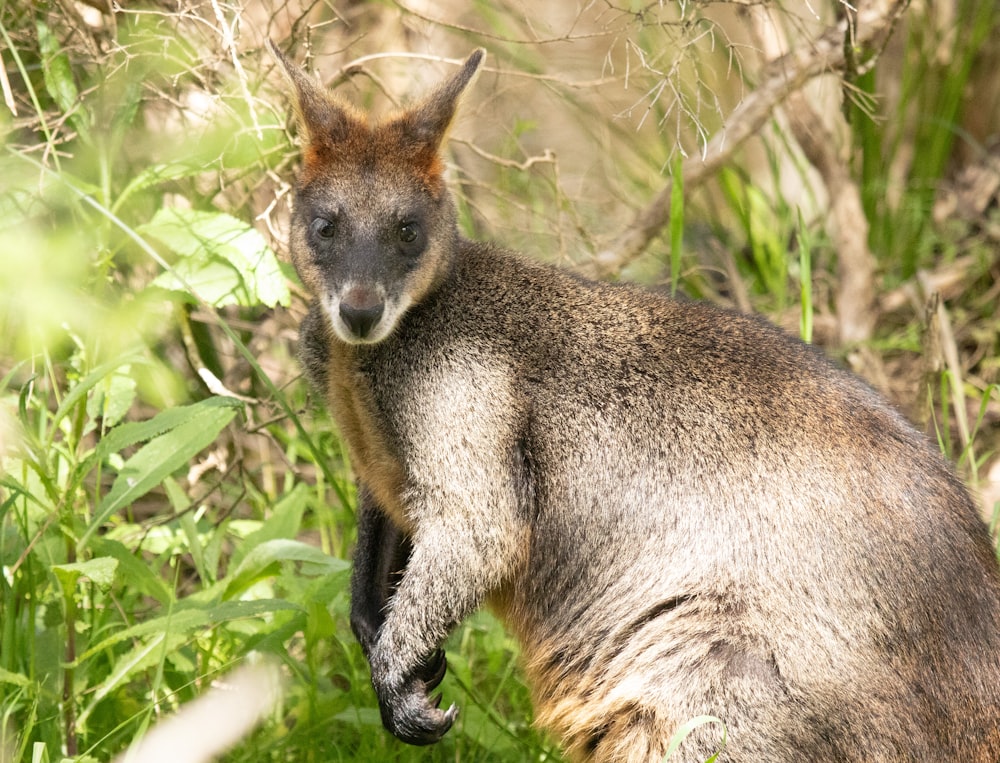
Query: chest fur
{"type": "Point", "coordinates": [376, 463]}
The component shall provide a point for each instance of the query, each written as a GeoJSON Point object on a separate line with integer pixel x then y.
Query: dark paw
{"type": "Point", "coordinates": [365, 631]}
{"type": "Point", "coordinates": [414, 717]}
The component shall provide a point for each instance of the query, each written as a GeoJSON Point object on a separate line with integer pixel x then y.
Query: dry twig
{"type": "Point", "coordinates": [855, 292]}
{"type": "Point", "coordinates": [784, 76]}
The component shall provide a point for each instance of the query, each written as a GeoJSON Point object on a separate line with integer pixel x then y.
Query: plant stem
{"type": "Point", "coordinates": [69, 704]}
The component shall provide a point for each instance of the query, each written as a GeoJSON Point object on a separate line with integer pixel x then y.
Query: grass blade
{"type": "Point", "coordinates": [163, 455]}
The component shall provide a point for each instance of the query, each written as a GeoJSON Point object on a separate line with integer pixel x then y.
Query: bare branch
{"type": "Point", "coordinates": [855, 291]}
{"type": "Point", "coordinates": [546, 157]}
{"type": "Point", "coordinates": [783, 77]}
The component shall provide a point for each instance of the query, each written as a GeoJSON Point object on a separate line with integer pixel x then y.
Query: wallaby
{"type": "Point", "coordinates": [677, 509]}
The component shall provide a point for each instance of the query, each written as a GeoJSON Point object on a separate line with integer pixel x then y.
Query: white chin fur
{"type": "Point", "coordinates": [390, 317]}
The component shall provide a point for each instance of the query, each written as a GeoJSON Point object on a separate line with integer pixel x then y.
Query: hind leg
{"type": "Point", "coordinates": [633, 717]}
{"type": "Point", "coordinates": [634, 737]}
{"type": "Point", "coordinates": [641, 735]}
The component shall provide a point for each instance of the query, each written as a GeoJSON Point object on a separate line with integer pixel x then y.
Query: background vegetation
{"type": "Point", "coordinates": [172, 504]}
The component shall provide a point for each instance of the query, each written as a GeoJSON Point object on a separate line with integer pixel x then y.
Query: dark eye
{"type": "Point", "coordinates": [409, 232]}
{"type": "Point", "coordinates": [322, 227]}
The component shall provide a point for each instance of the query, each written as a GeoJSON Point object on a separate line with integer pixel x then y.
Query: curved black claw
{"type": "Point", "coordinates": [415, 718]}
{"type": "Point", "coordinates": [432, 671]}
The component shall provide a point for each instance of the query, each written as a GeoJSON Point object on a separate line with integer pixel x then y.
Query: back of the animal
{"type": "Point", "coordinates": [812, 573]}
{"type": "Point", "coordinates": [756, 536]}
{"type": "Point", "coordinates": [679, 511]}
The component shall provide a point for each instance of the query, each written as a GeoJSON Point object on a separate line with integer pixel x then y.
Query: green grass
{"type": "Point", "coordinates": [172, 503]}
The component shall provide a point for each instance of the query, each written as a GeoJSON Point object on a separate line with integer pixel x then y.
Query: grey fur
{"type": "Point", "coordinates": [677, 510]}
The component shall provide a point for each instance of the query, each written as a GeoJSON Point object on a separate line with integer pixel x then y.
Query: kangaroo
{"type": "Point", "coordinates": [678, 510]}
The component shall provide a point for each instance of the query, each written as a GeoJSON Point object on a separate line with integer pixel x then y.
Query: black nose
{"type": "Point", "coordinates": [362, 319]}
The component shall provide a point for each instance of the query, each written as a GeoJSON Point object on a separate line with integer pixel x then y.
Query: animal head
{"type": "Point", "coordinates": [373, 229]}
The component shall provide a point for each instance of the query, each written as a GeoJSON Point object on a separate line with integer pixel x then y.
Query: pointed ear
{"type": "Point", "coordinates": [428, 122]}
{"type": "Point", "coordinates": [322, 120]}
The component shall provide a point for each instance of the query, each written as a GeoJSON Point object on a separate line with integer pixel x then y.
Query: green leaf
{"type": "Point", "coordinates": [91, 380]}
{"type": "Point", "coordinates": [100, 570]}
{"type": "Point", "coordinates": [682, 733]}
{"type": "Point", "coordinates": [132, 432]}
{"type": "Point", "coordinates": [319, 624]}
{"type": "Point", "coordinates": [261, 561]}
{"type": "Point", "coordinates": [6, 677]}
{"type": "Point", "coordinates": [140, 576]}
{"type": "Point", "coordinates": [222, 260]}
{"type": "Point", "coordinates": [113, 397]}
{"type": "Point", "coordinates": [156, 174]}
{"type": "Point", "coordinates": [143, 655]}
{"type": "Point", "coordinates": [162, 456]}
{"type": "Point", "coordinates": [487, 733]}
{"type": "Point", "coordinates": [189, 527]}
{"type": "Point", "coordinates": [188, 617]}
{"type": "Point", "coordinates": [359, 716]}
{"type": "Point", "coordinates": [284, 522]}
{"type": "Point", "coordinates": [805, 279]}
{"type": "Point", "coordinates": [58, 75]}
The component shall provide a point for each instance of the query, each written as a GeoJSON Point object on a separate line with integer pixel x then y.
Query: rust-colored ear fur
{"type": "Point", "coordinates": [423, 127]}
{"type": "Point", "coordinates": [323, 120]}
{"type": "Point", "coordinates": [417, 134]}
{"type": "Point", "coordinates": [427, 122]}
